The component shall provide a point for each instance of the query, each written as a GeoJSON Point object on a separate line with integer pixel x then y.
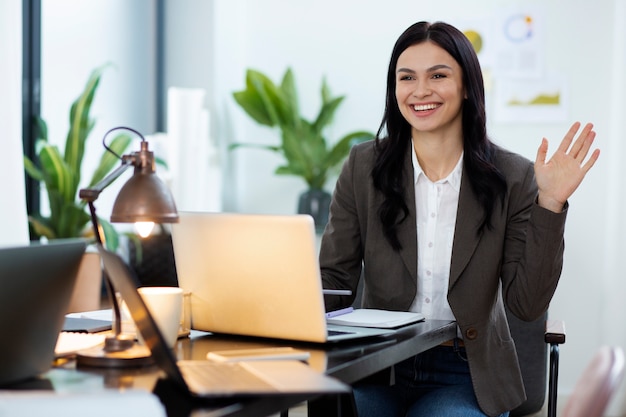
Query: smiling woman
{"type": "Point", "coordinates": [436, 218]}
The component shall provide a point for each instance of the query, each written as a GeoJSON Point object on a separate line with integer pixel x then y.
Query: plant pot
{"type": "Point", "coordinates": [316, 203]}
{"type": "Point", "coordinates": [87, 293]}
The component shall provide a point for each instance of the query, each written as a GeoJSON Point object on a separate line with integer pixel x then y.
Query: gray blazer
{"type": "Point", "coordinates": [518, 262]}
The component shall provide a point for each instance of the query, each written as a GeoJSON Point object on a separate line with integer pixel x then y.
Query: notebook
{"type": "Point", "coordinates": [255, 275]}
{"type": "Point", "coordinates": [36, 284]}
{"type": "Point", "coordinates": [208, 379]}
{"type": "Point", "coordinates": [371, 317]}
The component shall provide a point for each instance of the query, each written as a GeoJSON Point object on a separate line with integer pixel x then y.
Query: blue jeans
{"type": "Point", "coordinates": [435, 383]}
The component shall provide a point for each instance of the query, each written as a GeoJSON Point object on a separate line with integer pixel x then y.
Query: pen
{"type": "Point", "coordinates": [339, 312]}
{"type": "Point", "coordinates": [336, 292]}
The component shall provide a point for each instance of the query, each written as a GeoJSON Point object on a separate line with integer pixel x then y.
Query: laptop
{"type": "Point", "coordinates": [255, 275]}
{"type": "Point", "coordinates": [208, 379]}
{"type": "Point", "coordinates": [36, 284]}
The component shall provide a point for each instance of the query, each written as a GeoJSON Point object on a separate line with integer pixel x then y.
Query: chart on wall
{"type": "Point", "coordinates": [510, 47]}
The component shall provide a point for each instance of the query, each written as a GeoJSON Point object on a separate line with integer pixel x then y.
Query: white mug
{"type": "Point", "coordinates": [165, 305]}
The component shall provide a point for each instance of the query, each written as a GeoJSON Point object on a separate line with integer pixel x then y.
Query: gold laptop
{"type": "Point", "coordinates": [255, 275]}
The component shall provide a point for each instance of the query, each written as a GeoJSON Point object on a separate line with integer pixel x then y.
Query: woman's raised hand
{"type": "Point", "coordinates": [559, 177]}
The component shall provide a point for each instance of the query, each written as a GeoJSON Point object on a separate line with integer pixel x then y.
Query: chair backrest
{"type": "Point", "coordinates": [595, 387]}
{"type": "Point", "coordinates": [532, 352]}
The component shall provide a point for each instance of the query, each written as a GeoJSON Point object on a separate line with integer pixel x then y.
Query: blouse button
{"type": "Point", "coordinates": [471, 333]}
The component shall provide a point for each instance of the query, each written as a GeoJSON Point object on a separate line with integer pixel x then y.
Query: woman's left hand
{"type": "Point", "coordinates": [559, 177]}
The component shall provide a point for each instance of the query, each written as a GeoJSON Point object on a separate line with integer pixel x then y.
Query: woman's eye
{"type": "Point", "coordinates": [406, 78]}
{"type": "Point", "coordinates": [437, 76]}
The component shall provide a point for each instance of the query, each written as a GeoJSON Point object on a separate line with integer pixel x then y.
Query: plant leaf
{"type": "Point", "coordinates": [325, 91]}
{"type": "Point", "coordinates": [56, 173]}
{"type": "Point", "coordinates": [32, 170]}
{"type": "Point", "coordinates": [327, 112]}
{"type": "Point", "coordinates": [291, 108]}
{"type": "Point", "coordinates": [272, 99]}
{"type": "Point", "coordinates": [297, 149]}
{"type": "Point", "coordinates": [160, 161]}
{"type": "Point", "coordinates": [81, 125]}
{"type": "Point", "coordinates": [41, 226]}
{"type": "Point", "coordinates": [251, 102]}
{"type": "Point", "coordinates": [111, 237]}
{"type": "Point", "coordinates": [108, 160]}
{"type": "Point", "coordinates": [273, 148]}
{"type": "Point", "coordinates": [341, 149]}
{"type": "Point", "coordinates": [255, 100]}
{"type": "Point", "coordinates": [71, 221]}
{"type": "Point", "coordinates": [42, 128]}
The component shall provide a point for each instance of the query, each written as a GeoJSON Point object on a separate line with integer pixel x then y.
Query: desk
{"type": "Point", "coordinates": [348, 362]}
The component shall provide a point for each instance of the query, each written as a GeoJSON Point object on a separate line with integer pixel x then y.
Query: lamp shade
{"type": "Point", "coordinates": [144, 198]}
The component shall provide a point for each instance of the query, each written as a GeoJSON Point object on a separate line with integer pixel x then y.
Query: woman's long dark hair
{"type": "Point", "coordinates": [485, 179]}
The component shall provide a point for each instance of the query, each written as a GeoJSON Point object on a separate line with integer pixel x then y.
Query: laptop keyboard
{"type": "Point", "coordinates": [209, 377]}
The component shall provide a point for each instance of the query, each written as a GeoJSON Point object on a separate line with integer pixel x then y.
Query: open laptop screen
{"type": "Point", "coordinates": [36, 284]}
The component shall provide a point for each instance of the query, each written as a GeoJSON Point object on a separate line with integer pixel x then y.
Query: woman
{"type": "Point", "coordinates": [441, 220]}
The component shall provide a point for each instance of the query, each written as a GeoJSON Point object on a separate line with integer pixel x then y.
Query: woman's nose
{"type": "Point", "coordinates": [421, 90]}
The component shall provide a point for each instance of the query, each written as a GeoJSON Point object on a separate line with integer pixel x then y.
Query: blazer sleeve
{"type": "Point", "coordinates": [341, 251]}
{"type": "Point", "coordinates": [533, 253]}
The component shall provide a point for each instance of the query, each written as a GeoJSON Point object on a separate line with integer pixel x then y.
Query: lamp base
{"type": "Point", "coordinates": [135, 356]}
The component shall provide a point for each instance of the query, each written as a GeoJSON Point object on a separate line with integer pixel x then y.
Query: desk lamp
{"type": "Point", "coordinates": [144, 198]}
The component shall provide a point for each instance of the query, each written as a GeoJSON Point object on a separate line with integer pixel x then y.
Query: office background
{"type": "Point", "coordinates": [209, 45]}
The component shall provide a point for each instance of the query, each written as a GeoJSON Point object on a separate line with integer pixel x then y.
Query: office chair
{"type": "Point", "coordinates": [597, 384]}
{"type": "Point", "coordinates": [532, 340]}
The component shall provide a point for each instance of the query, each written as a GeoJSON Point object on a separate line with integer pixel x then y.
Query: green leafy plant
{"type": "Point", "coordinates": [61, 173]}
{"type": "Point", "coordinates": [306, 151]}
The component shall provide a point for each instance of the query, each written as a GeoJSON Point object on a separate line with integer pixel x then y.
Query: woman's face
{"type": "Point", "coordinates": [429, 89]}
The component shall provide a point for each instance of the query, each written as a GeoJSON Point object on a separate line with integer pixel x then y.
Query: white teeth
{"type": "Point", "coordinates": [423, 107]}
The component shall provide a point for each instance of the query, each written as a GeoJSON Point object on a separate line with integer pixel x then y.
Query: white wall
{"type": "Point", "coordinates": [79, 36]}
{"type": "Point", "coordinates": [13, 222]}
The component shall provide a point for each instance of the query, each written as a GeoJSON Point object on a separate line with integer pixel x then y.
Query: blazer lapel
{"type": "Point", "coordinates": [407, 232]}
{"type": "Point", "coordinates": [469, 217]}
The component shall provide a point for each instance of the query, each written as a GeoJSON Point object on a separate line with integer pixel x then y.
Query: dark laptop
{"type": "Point", "coordinates": [36, 284]}
{"type": "Point", "coordinates": [208, 379]}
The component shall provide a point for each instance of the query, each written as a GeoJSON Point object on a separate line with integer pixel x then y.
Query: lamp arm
{"type": "Point", "coordinates": [91, 194]}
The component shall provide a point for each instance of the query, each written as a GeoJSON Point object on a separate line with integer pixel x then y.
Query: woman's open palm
{"type": "Point", "coordinates": [559, 177]}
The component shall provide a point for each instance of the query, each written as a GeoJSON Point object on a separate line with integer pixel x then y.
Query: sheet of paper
{"type": "Point", "coordinates": [69, 343]}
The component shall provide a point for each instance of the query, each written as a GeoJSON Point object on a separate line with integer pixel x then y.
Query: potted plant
{"type": "Point", "coordinates": [306, 151]}
{"type": "Point", "coordinates": [61, 173]}
{"type": "Point", "coordinates": [61, 176]}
